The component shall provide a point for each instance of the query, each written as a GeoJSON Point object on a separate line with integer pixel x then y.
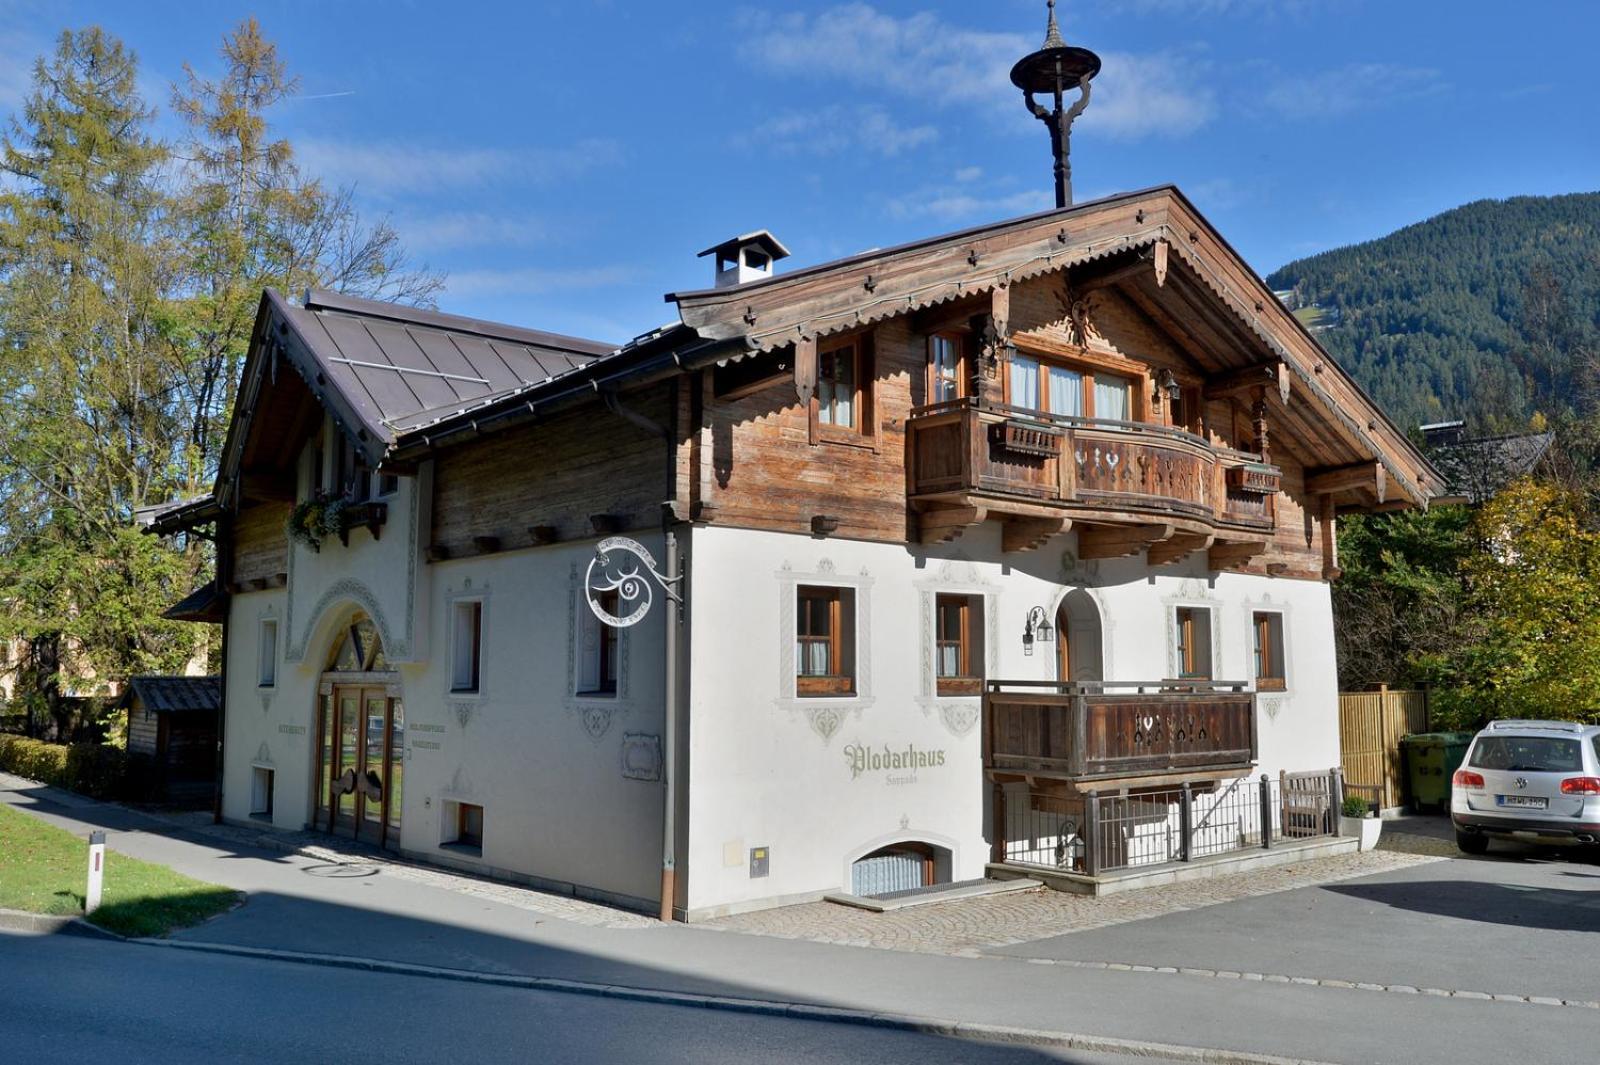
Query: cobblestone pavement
{"type": "Point", "coordinates": [1411, 843]}
{"type": "Point", "coordinates": [969, 926]}
{"type": "Point", "coordinates": [325, 849]}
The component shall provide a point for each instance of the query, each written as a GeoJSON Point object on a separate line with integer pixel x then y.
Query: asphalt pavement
{"type": "Point", "coordinates": [1538, 921]}
{"type": "Point", "coordinates": [92, 1001]}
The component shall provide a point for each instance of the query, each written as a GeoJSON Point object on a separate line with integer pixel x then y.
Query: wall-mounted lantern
{"type": "Point", "coordinates": [1038, 627]}
{"type": "Point", "coordinates": [1167, 386]}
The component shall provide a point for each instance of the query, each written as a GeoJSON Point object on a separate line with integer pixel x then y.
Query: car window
{"type": "Point", "coordinates": [1527, 754]}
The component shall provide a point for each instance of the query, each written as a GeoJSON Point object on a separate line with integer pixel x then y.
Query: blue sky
{"type": "Point", "coordinates": [562, 163]}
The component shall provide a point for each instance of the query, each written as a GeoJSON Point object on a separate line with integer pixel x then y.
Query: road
{"type": "Point", "coordinates": [1520, 924]}
{"type": "Point", "coordinates": [69, 1000]}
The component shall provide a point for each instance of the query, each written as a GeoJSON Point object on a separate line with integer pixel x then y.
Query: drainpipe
{"type": "Point", "coordinates": [669, 729]}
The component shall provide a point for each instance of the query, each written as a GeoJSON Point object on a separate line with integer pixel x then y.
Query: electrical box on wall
{"type": "Point", "coordinates": [759, 859]}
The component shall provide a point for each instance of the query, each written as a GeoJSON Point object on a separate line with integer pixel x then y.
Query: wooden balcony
{"type": "Point", "coordinates": [1087, 470]}
{"type": "Point", "coordinates": [1092, 733]}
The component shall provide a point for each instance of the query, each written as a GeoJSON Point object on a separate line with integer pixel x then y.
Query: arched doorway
{"type": "Point", "coordinates": [360, 739]}
{"type": "Point", "coordinates": [1080, 652]}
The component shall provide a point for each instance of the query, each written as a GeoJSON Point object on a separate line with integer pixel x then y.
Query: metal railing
{"type": "Point", "coordinates": [1106, 832]}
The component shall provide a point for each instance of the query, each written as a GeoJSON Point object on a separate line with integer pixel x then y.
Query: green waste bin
{"type": "Point", "coordinates": [1431, 759]}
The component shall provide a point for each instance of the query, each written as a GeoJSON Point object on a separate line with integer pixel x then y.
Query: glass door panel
{"type": "Point", "coordinates": [374, 759]}
{"type": "Point", "coordinates": [397, 750]}
{"type": "Point", "coordinates": [347, 767]}
{"type": "Point", "coordinates": [324, 798]}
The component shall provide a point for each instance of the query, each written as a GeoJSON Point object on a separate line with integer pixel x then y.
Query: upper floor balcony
{"type": "Point", "coordinates": [1158, 483]}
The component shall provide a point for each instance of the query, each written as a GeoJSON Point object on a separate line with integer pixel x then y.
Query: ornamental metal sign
{"type": "Point", "coordinates": [621, 565]}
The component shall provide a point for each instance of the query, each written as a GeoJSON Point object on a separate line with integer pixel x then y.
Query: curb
{"type": "Point", "coordinates": [51, 924]}
{"type": "Point", "coordinates": [992, 1033]}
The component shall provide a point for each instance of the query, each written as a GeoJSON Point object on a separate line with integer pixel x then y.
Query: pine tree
{"type": "Point", "coordinates": [85, 266]}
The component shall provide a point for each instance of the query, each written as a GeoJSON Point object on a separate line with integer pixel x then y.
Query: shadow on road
{"type": "Point", "coordinates": [464, 933]}
{"type": "Point", "coordinates": [1516, 905]}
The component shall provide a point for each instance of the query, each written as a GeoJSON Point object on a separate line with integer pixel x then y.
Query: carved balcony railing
{"type": "Point", "coordinates": [1093, 731]}
{"type": "Point", "coordinates": [1085, 464]}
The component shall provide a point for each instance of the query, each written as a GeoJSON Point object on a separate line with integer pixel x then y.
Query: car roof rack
{"type": "Point", "coordinates": [1549, 726]}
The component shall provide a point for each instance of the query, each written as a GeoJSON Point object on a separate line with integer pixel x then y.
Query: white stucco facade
{"type": "Point", "coordinates": [774, 771]}
{"type": "Point", "coordinates": [570, 785]}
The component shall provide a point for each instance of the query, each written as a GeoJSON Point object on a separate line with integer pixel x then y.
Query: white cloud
{"type": "Point", "coordinates": [919, 55]}
{"type": "Point", "coordinates": [1219, 7]}
{"type": "Point", "coordinates": [835, 129]}
{"type": "Point", "coordinates": [930, 61]}
{"type": "Point", "coordinates": [528, 281]}
{"type": "Point", "coordinates": [1148, 95]}
{"type": "Point", "coordinates": [969, 173]}
{"type": "Point", "coordinates": [1351, 88]}
{"type": "Point", "coordinates": [435, 230]}
{"type": "Point", "coordinates": [952, 205]}
{"type": "Point", "coordinates": [397, 168]}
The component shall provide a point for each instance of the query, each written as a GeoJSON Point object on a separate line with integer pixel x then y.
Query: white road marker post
{"type": "Point", "coordinates": [97, 871]}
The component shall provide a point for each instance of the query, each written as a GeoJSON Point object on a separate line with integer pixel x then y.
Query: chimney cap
{"type": "Point", "coordinates": [727, 249]}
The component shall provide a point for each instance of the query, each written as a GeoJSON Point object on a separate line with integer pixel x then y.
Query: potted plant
{"type": "Point", "coordinates": [1361, 821]}
{"type": "Point", "coordinates": [319, 517]}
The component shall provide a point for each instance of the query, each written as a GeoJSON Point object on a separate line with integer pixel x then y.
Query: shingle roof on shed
{"type": "Point", "coordinates": [169, 694]}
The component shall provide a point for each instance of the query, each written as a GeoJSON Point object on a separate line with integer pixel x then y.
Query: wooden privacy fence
{"type": "Point", "coordinates": [1370, 727]}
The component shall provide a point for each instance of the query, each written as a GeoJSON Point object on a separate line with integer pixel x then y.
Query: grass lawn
{"type": "Point", "coordinates": [43, 870]}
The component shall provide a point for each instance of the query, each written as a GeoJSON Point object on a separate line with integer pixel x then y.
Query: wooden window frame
{"type": "Point", "coordinates": [1186, 618]}
{"type": "Point", "coordinates": [966, 680]}
{"type": "Point", "coordinates": [963, 380]}
{"type": "Point", "coordinates": [837, 683]}
{"type": "Point", "coordinates": [863, 432]}
{"type": "Point", "coordinates": [1269, 652]}
{"type": "Point", "coordinates": [473, 609]}
{"type": "Point", "coordinates": [1089, 366]}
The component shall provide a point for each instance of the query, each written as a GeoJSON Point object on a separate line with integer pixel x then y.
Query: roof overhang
{"type": "Point", "coordinates": [1158, 225]}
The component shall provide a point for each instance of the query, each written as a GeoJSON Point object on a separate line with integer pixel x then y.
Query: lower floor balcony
{"type": "Point", "coordinates": [1097, 732]}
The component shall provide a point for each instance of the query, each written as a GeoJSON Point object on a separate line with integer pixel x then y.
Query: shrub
{"type": "Point", "coordinates": [91, 769]}
{"type": "Point", "coordinates": [1355, 806]}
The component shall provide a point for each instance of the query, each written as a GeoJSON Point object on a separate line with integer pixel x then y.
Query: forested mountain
{"type": "Point", "coordinates": [1488, 312]}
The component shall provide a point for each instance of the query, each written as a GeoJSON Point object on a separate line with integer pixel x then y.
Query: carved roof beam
{"type": "Point", "coordinates": [1366, 477]}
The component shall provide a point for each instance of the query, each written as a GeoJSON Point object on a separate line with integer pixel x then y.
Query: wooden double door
{"type": "Point", "coordinates": [361, 763]}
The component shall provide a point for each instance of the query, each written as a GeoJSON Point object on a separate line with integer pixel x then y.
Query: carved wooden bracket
{"type": "Point", "coordinates": [1162, 251]}
{"type": "Point", "coordinates": [1235, 555]}
{"type": "Point", "coordinates": [1178, 548]}
{"type": "Point", "coordinates": [946, 523]}
{"type": "Point", "coordinates": [1118, 541]}
{"type": "Point", "coordinates": [1025, 534]}
{"type": "Point", "coordinates": [805, 368]}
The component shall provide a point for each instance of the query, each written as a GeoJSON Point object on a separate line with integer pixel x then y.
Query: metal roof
{"type": "Point", "coordinates": [175, 695]}
{"type": "Point", "coordinates": [399, 366]}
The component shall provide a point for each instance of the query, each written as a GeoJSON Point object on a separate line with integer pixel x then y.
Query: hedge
{"type": "Point", "coordinates": [89, 768]}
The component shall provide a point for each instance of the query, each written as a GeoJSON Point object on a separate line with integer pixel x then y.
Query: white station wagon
{"type": "Point", "coordinates": [1534, 781]}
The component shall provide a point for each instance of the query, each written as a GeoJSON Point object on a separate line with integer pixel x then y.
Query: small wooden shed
{"type": "Point", "coordinates": [173, 720]}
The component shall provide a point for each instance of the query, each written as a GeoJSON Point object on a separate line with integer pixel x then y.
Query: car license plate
{"type": "Point", "coordinates": [1528, 802]}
